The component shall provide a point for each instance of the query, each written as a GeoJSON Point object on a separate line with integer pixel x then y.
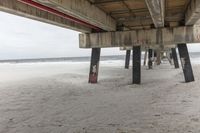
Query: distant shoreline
{"type": "Point", "coordinates": [61, 59]}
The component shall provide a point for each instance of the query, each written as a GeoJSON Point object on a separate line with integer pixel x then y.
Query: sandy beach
{"type": "Point", "coordinates": [56, 98]}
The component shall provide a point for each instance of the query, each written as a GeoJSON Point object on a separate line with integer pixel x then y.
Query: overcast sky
{"type": "Point", "coordinates": [25, 38]}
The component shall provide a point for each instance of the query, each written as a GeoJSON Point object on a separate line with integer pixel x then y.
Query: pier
{"type": "Point", "coordinates": [159, 25]}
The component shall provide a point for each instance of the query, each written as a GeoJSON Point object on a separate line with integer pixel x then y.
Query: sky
{"type": "Point", "coordinates": [25, 38]}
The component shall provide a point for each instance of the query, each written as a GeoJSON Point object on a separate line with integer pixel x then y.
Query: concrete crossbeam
{"type": "Point", "coordinates": [20, 9]}
{"type": "Point", "coordinates": [151, 37]}
{"type": "Point", "coordinates": [157, 11]}
{"type": "Point", "coordinates": [192, 14]}
{"type": "Point", "coordinates": [84, 10]}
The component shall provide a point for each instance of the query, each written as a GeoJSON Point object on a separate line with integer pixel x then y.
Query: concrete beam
{"type": "Point", "coordinates": [157, 11]}
{"type": "Point", "coordinates": [152, 37]}
{"type": "Point", "coordinates": [84, 10]}
{"type": "Point", "coordinates": [192, 14]}
{"type": "Point", "coordinates": [20, 9]}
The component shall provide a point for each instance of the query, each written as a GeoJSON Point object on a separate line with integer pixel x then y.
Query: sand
{"type": "Point", "coordinates": [56, 98]}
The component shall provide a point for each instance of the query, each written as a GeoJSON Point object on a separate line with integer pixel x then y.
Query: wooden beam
{"type": "Point", "coordinates": [84, 10]}
{"type": "Point", "coordinates": [20, 9]}
{"type": "Point", "coordinates": [157, 11]}
{"type": "Point", "coordinates": [192, 14]}
{"type": "Point", "coordinates": [151, 37]}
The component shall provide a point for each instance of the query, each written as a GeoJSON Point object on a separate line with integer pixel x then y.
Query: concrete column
{"type": "Point", "coordinates": [127, 60]}
{"type": "Point", "coordinates": [145, 58]}
{"type": "Point", "coordinates": [150, 63]}
{"type": "Point", "coordinates": [158, 59]}
{"type": "Point", "coordinates": [136, 60]}
{"type": "Point", "coordinates": [94, 65]}
{"type": "Point", "coordinates": [174, 56]}
{"type": "Point", "coordinates": [185, 61]}
{"type": "Point", "coordinates": [168, 55]}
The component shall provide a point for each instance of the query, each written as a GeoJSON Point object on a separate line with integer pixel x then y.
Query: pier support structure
{"type": "Point", "coordinates": [136, 60]}
{"type": "Point", "coordinates": [185, 61]}
{"type": "Point", "coordinates": [145, 57]}
{"type": "Point", "coordinates": [94, 65]}
{"type": "Point", "coordinates": [127, 60]}
{"type": "Point", "coordinates": [150, 62]}
{"type": "Point", "coordinates": [158, 58]}
{"type": "Point", "coordinates": [175, 59]}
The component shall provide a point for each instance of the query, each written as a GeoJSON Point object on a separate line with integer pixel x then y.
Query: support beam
{"type": "Point", "coordinates": [153, 37]}
{"type": "Point", "coordinates": [157, 11]}
{"type": "Point", "coordinates": [192, 14]}
{"type": "Point", "coordinates": [127, 60]}
{"type": "Point", "coordinates": [94, 65]}
{"type": "Point", "coordinates": [21, 9]}
{"type": "Point", "coordinates": [186, 64]}
{"type": "Point", "coordinates": [136, 60]}
{"type": "Point", "coordinates": [150, 62]}
{"type": "Point", "coordinates": [84, 10]}
{"type": "Point", "coordinates": [174, 56]}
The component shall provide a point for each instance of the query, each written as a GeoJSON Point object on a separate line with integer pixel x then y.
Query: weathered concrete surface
{"type": "Point", "coordinates": [18, 8]}
{"type": "Point", "coordinates": [83, 10]}
{"type": "Point", "coordinates": [151, 37]}
{"type": "Point", "coordinates": [157, 11]}
{"type": "Point", "coordinates": [193, 12]}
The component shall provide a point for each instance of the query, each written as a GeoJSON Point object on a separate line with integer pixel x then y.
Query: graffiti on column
{"type": "Point", "coordinates": [94, 70]}
{"type": "Point", "coordinates": [183, 62]}
{"type": "Point", "coordinates": [93, 75]}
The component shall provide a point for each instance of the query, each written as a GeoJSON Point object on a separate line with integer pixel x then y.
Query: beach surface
{"type": "Point", "coordinates": [56, 98]}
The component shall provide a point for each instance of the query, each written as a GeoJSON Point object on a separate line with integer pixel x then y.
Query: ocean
{"type": "Point", "coordinates": [194, 56]}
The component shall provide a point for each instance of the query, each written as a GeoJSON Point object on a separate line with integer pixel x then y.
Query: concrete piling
{"type": "Point", "coordinates": [145, 58]}
{"type": "Point", "coordinates": [185, 61]}
{"type": "Point", "coordinates": [94, 65]}
{"type": "Point", "coordinates": [174, 57]}
{"type": "Point", "coordinates": [127, 60]}
{"type": "Point", "coordinates": [136, 60]}
{"type": "Point", "coordinates": [150, 61]}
